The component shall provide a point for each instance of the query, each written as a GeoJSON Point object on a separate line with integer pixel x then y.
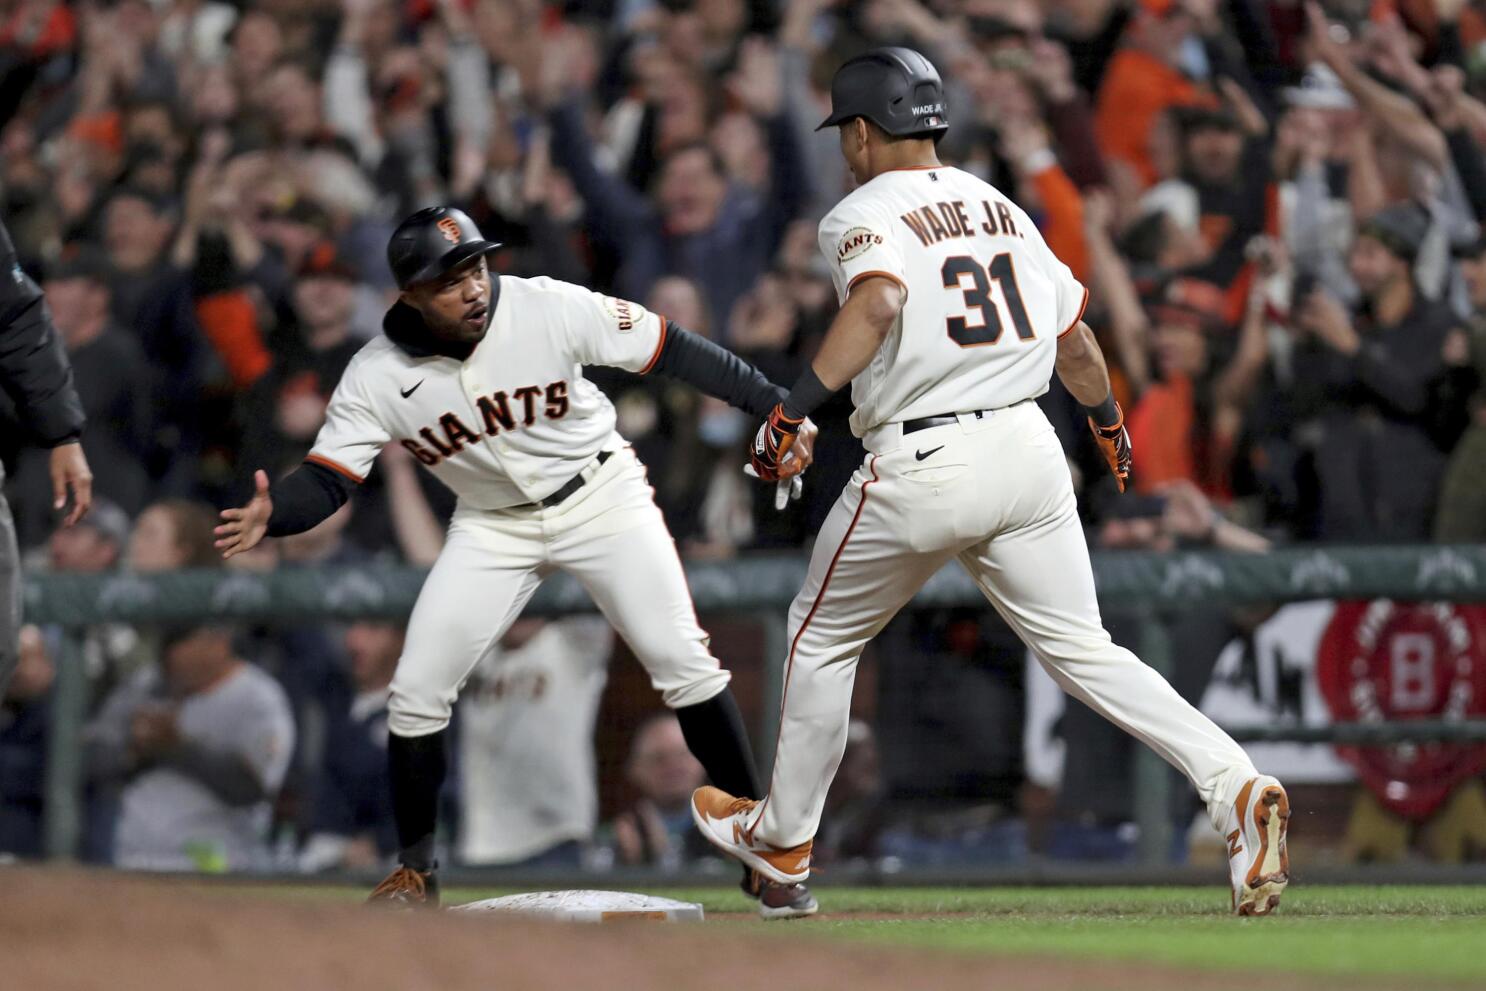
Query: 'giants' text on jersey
{"type": "Point", "coordinates": [497, 413]}
{"type": "Point", "coordinates": [514, 421]}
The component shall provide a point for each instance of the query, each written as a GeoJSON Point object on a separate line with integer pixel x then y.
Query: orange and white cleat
{"type": "Point", "coordinates": [1258, 863]}
{"type": "Point", "coordinates": [725, 821]}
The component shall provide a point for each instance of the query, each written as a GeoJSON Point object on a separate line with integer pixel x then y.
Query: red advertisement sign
{"type": "Point", "coordinates": [1395, 661]}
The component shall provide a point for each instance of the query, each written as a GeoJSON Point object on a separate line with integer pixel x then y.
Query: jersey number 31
{"type": "Point", "coordinates": [978, 297]}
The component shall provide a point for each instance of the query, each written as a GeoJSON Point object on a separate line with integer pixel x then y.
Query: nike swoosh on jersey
{"type": "Point", "coordinates": [920, 455]}
{"type": "Point", "coordinates": [414, 388]}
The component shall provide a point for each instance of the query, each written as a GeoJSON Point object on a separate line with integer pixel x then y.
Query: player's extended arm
{"type": "Point", "coordinates": [714, 370]}
{"type": "Point", "coordinates": [855, 335]}
{"type": "Point", "coordinates": [723, 375]}
{"type": "Point", "coordinates": [1080, 366]}
{"type": "Point", "coordinates": [299, 501]}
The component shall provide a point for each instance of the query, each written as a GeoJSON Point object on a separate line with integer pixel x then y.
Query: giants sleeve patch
{"type": "Point", "coordinates": [626, 315]}
{"type": "Point", "coordinates": [856, 241]}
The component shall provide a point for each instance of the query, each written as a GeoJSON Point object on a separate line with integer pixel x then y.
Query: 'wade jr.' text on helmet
{"type": "Point", "coordinates": [895, 88]}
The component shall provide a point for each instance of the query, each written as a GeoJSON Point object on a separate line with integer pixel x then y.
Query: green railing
{"type": "Point", "coordinates": [1150, 585]}
{"type": "Point", "coordinates": [1156, 581]}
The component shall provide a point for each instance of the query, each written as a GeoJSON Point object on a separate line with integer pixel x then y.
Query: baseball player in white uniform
{"type": "Point", "coordinates": [526, 719]}
{"type": "Point", "coordinates": [954, 316]}
{"type": "Point", "coordinates": [480, 377]}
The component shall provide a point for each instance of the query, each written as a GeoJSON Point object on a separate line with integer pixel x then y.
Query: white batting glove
{"type": "Point", "coordinates": [786, 491]}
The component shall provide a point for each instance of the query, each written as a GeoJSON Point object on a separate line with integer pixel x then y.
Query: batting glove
{"type": "Point", "coordinates": [772, 443]}
{"type": "Point", "coordinates": [1114, 444]}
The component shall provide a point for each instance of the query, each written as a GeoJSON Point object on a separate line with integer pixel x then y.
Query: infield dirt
{"type": "Point", "coordinates": [80, 931]}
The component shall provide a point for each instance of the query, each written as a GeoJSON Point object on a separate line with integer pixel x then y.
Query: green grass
{"type": "Point", "coordinates": [1401, 936]}
{"type": "Point", "coordinates": [1419, 933]}
{"type": "Point", "coordinates": [1328, 901]}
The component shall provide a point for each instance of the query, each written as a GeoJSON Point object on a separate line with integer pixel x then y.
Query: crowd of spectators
{"type": "Point", "coordinates": [1275, 207]}
{"type": "Point", "coordinates": [1274, 204]}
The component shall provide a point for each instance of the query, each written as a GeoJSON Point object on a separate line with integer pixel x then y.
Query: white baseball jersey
{"type": "Point", "coordinates": [526, 743]}
{"type": "Point", "coordinates": [513, 422]}
{"type": "Point", "coordinates": [989, 299]}
{"type": "Point", "coordinates": [986, 303]}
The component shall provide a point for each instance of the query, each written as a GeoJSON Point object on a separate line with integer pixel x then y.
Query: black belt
{"type": "Point", "coordinates": [572, 485]}
{"type": "Point", "coordinates": [924, 423]}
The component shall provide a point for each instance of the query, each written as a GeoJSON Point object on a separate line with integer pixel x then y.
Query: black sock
{"type": "Point", "coordinates": [416, 765]}
{"type": "Point", "coordinates": [715, 735]}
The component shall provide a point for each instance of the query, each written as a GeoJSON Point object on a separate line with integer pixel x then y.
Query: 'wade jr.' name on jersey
{"type": "Point", "coordinates": [987, 338]}
{"type": "Point", "coordinates": [514, 421]}
{"type": "Point", "coordinates": [936, 221]}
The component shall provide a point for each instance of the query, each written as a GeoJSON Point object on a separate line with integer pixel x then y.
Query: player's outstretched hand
{"type": "Point", "coordinates": [241, 529]}
{"type": "Point", "coordinates": [70, 473]}
{"type": "Point", "coordinates": [768, 456]}
{"type": "Point", "coordinates": [1114, 444]}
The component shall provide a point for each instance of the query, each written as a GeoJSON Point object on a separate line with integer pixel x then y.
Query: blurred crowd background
{"type": "Point", "coordinates": [1275, 205]}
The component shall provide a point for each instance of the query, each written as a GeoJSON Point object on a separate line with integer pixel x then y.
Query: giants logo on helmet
{"type": "Point", "coordinates": [449, 227]}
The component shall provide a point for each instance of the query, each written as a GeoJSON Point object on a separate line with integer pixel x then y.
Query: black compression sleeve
{"type": "Point", "coordinates": [716, 371]}
{"type": "Point", "coordinates": [306, 497]}
{"type": "Point", "coordinates": [1106, 414]}
{"type": "Point", "coordinates": [808, 394]}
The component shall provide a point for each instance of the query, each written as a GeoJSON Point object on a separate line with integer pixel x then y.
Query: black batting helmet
{"type": "Point", "coordinates": [431, 242]}
{"type": "Point", "coordinates": [895, 88]}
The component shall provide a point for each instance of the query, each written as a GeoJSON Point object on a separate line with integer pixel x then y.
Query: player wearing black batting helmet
{"type": "Point", "coordinates": [954, 317]}
{"type": "Point", "coordinates": [433, 241]}
{"type": "Point", "coordinates": [478, 375]}
{"type": "Point", "coordinates": [895, 88]}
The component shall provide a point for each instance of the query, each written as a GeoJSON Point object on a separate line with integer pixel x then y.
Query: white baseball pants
{"type": "Point", "coordinates": [610, 535]}
{"type": "Point", "coordinates": [995, 494]}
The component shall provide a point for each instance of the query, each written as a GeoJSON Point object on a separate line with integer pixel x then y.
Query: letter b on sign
{"type": "Point", "coordinates": [1411, 672]}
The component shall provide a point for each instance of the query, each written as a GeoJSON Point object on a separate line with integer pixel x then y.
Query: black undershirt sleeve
{"type": "Point", "coordinates": [305, 497]}
{"type": "Point", "coordinates": [715, 371]}
{"type": "Point", "coordinates": [809, 394]}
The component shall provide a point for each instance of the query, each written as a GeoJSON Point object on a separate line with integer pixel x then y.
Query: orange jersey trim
{"type": "Point", "coordinates": [335, 466]}
{"type": "Point", "coordinates": [875, 274]}
{"type": "Point", "coordinates": [659, 345]}
{"type": "Point", "coordinates": [1081, 307]}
